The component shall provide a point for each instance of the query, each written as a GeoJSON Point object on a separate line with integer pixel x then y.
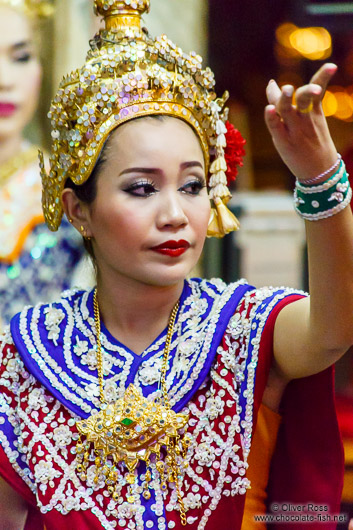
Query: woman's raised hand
{"type": "Point", "coordinates": [298, 126]}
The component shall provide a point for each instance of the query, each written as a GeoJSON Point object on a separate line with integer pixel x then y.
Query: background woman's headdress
{"type": "Point", "coordinates": [33, 8]}
{"type": "Point", "coordinates": [128, 74]}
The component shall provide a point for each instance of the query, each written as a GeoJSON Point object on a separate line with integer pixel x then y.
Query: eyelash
{"type": "Point", "coordinates": [141, 185]}
{"type": "Point", "coordinates": [25, 58]}
{"type": "Point", "coordinates": [198, 184]}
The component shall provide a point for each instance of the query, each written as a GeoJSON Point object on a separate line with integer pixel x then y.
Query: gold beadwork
{"type": "Point", "coordinates": [128, 75]}
{"type": "Point", "coordinates": [99, 354]}
{"type": "Point", "coordinates": [131, 430]}
{"type": "Point", "coordinates": [32, 8]}
{"type": "Point", "coordinates": [123, 13]}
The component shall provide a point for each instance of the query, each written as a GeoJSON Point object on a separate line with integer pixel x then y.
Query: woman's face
{"type": "Point", "coordinates": [149, 219]}
{"type": "Point", "coordinates": [20, 73]}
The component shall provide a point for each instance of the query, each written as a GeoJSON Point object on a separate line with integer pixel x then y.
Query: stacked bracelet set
{"type": "Point", "coordinates": [319, 201]}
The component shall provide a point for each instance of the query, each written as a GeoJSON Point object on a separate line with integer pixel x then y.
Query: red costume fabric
{"type": "Point", "coordinates": [307, 466]}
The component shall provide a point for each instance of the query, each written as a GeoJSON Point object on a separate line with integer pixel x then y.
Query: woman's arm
{"type": "Point", "coordinates": [13, 509]}
{"type": "Point", "coordinates": [313, 333]}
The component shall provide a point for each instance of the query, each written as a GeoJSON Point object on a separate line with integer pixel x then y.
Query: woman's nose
{"type": "Point", "coordinates": [6, 81]}
{"type": "Point", "coordinates": [171, 213]}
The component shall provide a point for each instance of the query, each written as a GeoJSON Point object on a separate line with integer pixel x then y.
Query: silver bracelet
{"type": "Point", "coordinates": [327, 184]}
{"type": "Point", "coordinates": [319, 177]}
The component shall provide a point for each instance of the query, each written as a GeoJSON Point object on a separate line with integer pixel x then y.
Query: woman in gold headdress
{"type": "Point", "coordinates": [137, 404]}
{"type": "Point", "coordinates": [34, 264]}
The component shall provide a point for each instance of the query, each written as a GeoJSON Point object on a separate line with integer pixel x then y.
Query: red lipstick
{"type": "Point", "coordinates": [7, 109]}
{"type": "Point", "coordinates": [173, 249]}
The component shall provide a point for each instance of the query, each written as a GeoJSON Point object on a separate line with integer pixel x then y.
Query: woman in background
{"type": "Point", "coordinates": [34, 264]}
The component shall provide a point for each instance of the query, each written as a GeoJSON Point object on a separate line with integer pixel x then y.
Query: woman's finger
{"type": "Point", "coordinates": [323, 76]}
{"type": "Point", "coordinates": [308, 96]}
{"type": "Point", "coordinates": [285, 103]}
{"type": "Point", "coordinates": [273, 92]}
{"type": "Point", "coordinates": [274, 122]}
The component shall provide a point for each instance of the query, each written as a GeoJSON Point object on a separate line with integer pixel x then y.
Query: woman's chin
{"type": "Point", "coordinates": [168, 276]}
{"type": "Point", "coordinates": [166, 281]}
{"type": "Point", "coordinates": [10, 128]}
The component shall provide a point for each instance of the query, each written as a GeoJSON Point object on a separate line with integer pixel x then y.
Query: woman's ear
{"type": "Point", "coordinates": [76, 212]}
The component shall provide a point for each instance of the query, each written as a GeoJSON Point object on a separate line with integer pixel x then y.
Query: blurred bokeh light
{"type": "Point", "coordinates": [338, 103]}
{"type": "Point", "coordinates": [313, 43]}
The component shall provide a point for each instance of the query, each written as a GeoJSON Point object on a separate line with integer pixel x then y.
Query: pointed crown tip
{"type": "Point", "coordinates": [107, 8]}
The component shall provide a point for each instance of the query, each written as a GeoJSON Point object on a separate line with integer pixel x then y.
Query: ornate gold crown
{"type": "Point", "coordinates": [127, 75]}
{"type": "Point", "coordinates": [36, 8]}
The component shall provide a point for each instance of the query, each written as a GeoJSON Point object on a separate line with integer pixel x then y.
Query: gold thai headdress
{"type": "Point", "coordinates": [32, 8]}
{"type": "Point", "coordinates": [128, 74]}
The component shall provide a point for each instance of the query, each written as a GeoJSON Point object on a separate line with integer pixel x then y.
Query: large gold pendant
{"type": "Point", "coordinates": [129, 431]}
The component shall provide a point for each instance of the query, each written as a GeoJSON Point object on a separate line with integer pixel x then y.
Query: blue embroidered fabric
{"type": "Point", "coordinates": [57, 344]}
{"type": "Point", "coordinates": [42, 271]}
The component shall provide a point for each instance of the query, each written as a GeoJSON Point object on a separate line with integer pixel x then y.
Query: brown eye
{"type": "Point", "coordinates": [141, 189]}
{"type": "Point", "coordinates": [23, 58]}
{"type": "Point", "coordinates": [193, 188]}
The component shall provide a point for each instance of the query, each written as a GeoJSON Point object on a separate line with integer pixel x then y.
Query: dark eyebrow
{"type": "Point", "coordinates": [22, 44]}
{"type": "Point", "coordinates": [194, 163]}
{"type": "Point", "coordinates": [147, 170]}
{"type": "Point", "coordinates": [154, 170]}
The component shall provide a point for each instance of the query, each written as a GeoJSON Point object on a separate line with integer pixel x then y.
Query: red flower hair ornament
{"type": "Point", "coordinates": [234, 152]}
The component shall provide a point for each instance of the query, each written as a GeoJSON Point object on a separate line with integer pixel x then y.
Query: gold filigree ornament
{"type": "Point", "coordinates": [131, 431]}
{"type": "Point", "coordinates": [127, 75]}
{"type": "Point", "coordinates": [31, 8]}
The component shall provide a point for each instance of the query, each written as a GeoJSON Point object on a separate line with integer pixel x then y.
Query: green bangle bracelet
{"type": "Point", "coordinates": [323, 200]}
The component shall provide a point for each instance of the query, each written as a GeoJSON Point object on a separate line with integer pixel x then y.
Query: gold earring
{"type": "Point", "coordinates": [84, 233]}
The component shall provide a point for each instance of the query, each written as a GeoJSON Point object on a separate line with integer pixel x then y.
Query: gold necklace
{"type": "Point", "coordinates": [131, 431]}
{"type": "Point", "coordinates": [17, 162]}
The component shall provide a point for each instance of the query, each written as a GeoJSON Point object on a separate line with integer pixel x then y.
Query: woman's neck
{"type": "Point", "coordinates": [136, 313]}
{"type": "Point", "coordinates": [10, 147]}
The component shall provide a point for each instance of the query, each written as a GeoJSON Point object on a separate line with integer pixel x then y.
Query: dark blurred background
{"type": "Point", "coordinates": [254, 41]}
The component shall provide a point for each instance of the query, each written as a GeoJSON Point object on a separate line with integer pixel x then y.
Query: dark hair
{"type": "Point", "coordinates": [87, 191]}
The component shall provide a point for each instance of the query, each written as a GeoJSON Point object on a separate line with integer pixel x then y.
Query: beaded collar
{"type": "Point", "coordinates": [57, 344]}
